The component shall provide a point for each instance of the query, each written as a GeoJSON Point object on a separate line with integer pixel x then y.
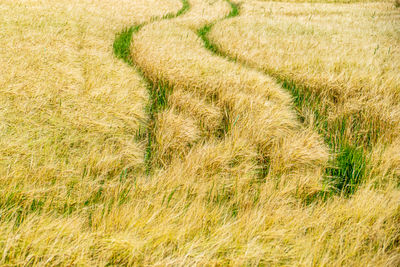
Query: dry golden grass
{"type": "Point", "coordinates": [253, 105]}
{"type": "Point", "coordinates": [203, 12]}
{"type": "Point", "coordinates": [336, 49]}
{"type": "Point", "coordinates": [208, 116]}
{"type": "Point", "coordinates": [235, 176]}
{"type": "Point", "coordinates": [255, 2]}
{"type": "Point", "coordinates": [67, 103]}
{"type": "Point", "coordinates": [347, 56]}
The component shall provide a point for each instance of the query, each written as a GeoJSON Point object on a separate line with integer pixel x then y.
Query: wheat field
{"type": "Point", "coordinates": [199, 133]}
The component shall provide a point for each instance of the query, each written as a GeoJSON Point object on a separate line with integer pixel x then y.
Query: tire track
{"type": "Point", "coordinates": [352, 124]}
{"type": "Point", "coordinates": [121, 48]}
{"type": "Point", "coordinates": [254, 107]}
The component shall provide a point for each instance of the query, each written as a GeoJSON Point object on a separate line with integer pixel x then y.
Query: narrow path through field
{"type": "Point", "coordinates": [200, 99]}
{"type": "Point", "coordinates": [353, 118]}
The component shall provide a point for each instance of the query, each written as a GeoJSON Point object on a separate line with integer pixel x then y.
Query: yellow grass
{"type": "Point", "coordinates": [202, 12]}
{"type": "Point", "coordinates": [255, 107]}
{"type": "Point", "coordinates": [347, 55]}
{"type": "Point", "coordinates": [236, 177]}
{"type": "Point", "coordinates": [338, 48]}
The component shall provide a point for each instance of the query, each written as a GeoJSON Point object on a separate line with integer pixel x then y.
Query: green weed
{"type": "Point", "coordinates": [122, 43]}
{"type": "Point", "coordinates": [349, 170]}
{"type": "Point", "coordinates": [202, 33]}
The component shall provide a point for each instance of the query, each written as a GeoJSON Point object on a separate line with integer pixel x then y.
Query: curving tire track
{"type": "Point", "coordinates": [354, 118]}
{"type": "Point", "coordinates": [121, 48]}
{"type": "Point", "coordinates": [230, 103]}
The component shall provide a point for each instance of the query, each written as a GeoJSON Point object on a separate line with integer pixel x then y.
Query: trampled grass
{"type": "Point", "coordinates": [198, 133]}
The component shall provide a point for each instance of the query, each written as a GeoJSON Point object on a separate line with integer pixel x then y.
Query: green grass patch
{"type": "Point", "coordinates": [122, 43]}
{"type": "Point", "coordinates": [349, 169]}
{"type": "Point", "coordinates": [184, 9]}
{"type": "Point", "coordinates": [234, 10]}
{"type": "Point", "coordinates": [159, 96]}
{"type": "Point", "coordinates": [202, 33]}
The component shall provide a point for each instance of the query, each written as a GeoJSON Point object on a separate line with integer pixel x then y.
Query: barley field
{"type": "Point", "coordinates": [199, 133]}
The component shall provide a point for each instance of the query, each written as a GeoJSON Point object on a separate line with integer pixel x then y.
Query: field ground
{"type": "Point", "coordinates": [199, 132]}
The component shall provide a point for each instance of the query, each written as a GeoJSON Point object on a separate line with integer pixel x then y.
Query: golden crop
{"type": "Point", "coordinates": [248, 133]}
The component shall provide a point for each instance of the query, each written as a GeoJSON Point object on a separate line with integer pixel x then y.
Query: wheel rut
{"type": "Point", "coordinates": [204, 105]}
